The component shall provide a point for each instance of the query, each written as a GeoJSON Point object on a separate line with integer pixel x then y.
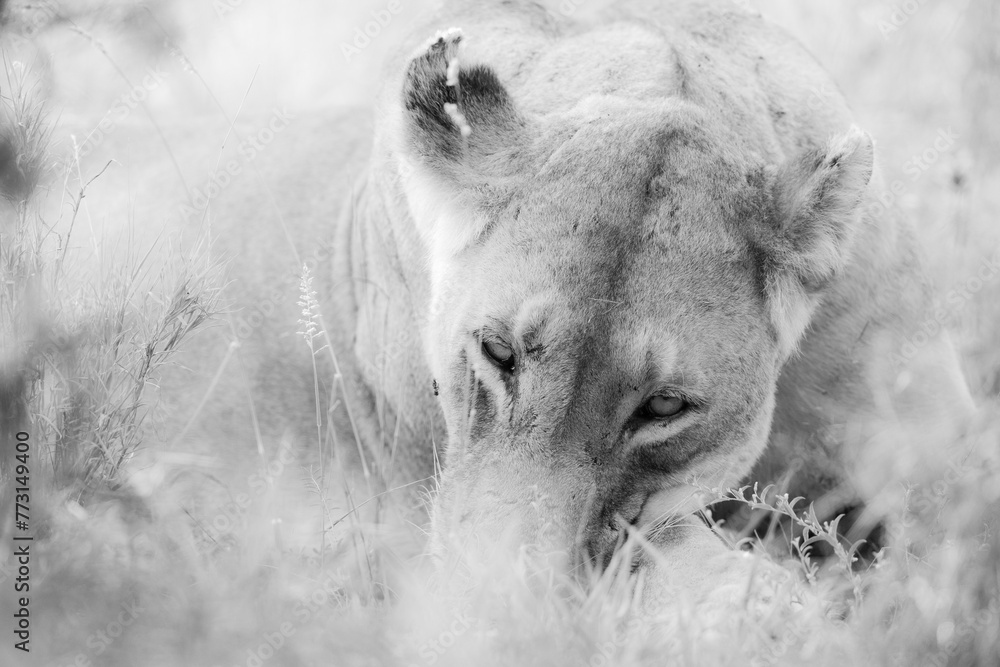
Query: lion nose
{"type": "Point", "coordinates": [600, 547]}
{"type": "Point", "coordinates": [606, 539]}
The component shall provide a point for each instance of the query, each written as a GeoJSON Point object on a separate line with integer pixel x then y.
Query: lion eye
{"type": "Point", "coordinates": [664, 407]}
{"type": "Point", "coordinates": [500, 354]}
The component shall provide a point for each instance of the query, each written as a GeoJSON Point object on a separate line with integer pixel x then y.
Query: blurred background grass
{"type": "Point", "coordinates": [214, 593]}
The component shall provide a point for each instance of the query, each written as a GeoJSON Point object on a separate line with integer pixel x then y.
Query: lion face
{"type": "Point", "coordinates": [592, 350]}
{"type": "Point", "coordinates": [614, 290]}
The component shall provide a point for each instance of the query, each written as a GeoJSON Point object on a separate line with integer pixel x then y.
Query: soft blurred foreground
{"type": "Point", "coordinates": [164, 538]}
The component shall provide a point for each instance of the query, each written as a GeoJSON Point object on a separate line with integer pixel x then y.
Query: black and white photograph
{"type": "Point", "coordinates": [499, 333]}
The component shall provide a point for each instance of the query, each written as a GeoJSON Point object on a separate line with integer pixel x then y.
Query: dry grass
{"type": "Point", "coordinates": [182, 564]}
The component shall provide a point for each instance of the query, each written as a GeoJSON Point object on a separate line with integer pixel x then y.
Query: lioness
{"type": "Point", "coordinates": [635, 252]}
{"type": "Point", "coordinates": [601, 265]}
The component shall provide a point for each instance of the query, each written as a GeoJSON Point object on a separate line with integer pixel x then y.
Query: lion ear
{"type": "Point", "coordinates": [816, 211]}
{"type": "Point", "coordinates": [461, 134]}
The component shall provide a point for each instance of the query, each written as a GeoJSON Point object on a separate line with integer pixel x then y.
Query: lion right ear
{"type": "Point", "coordinates": [461, 137]}
{"type": "Point", "coordinates": [814, 216]}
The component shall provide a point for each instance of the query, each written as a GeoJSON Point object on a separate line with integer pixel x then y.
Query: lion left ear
{"type": "Point", "coordinates": [815, 214]}
{"type": "Point", "coordinates": [462, 139]}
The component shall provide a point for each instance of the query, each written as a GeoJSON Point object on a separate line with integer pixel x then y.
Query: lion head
{"type": "Point", "coordinates": [615, 285]}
